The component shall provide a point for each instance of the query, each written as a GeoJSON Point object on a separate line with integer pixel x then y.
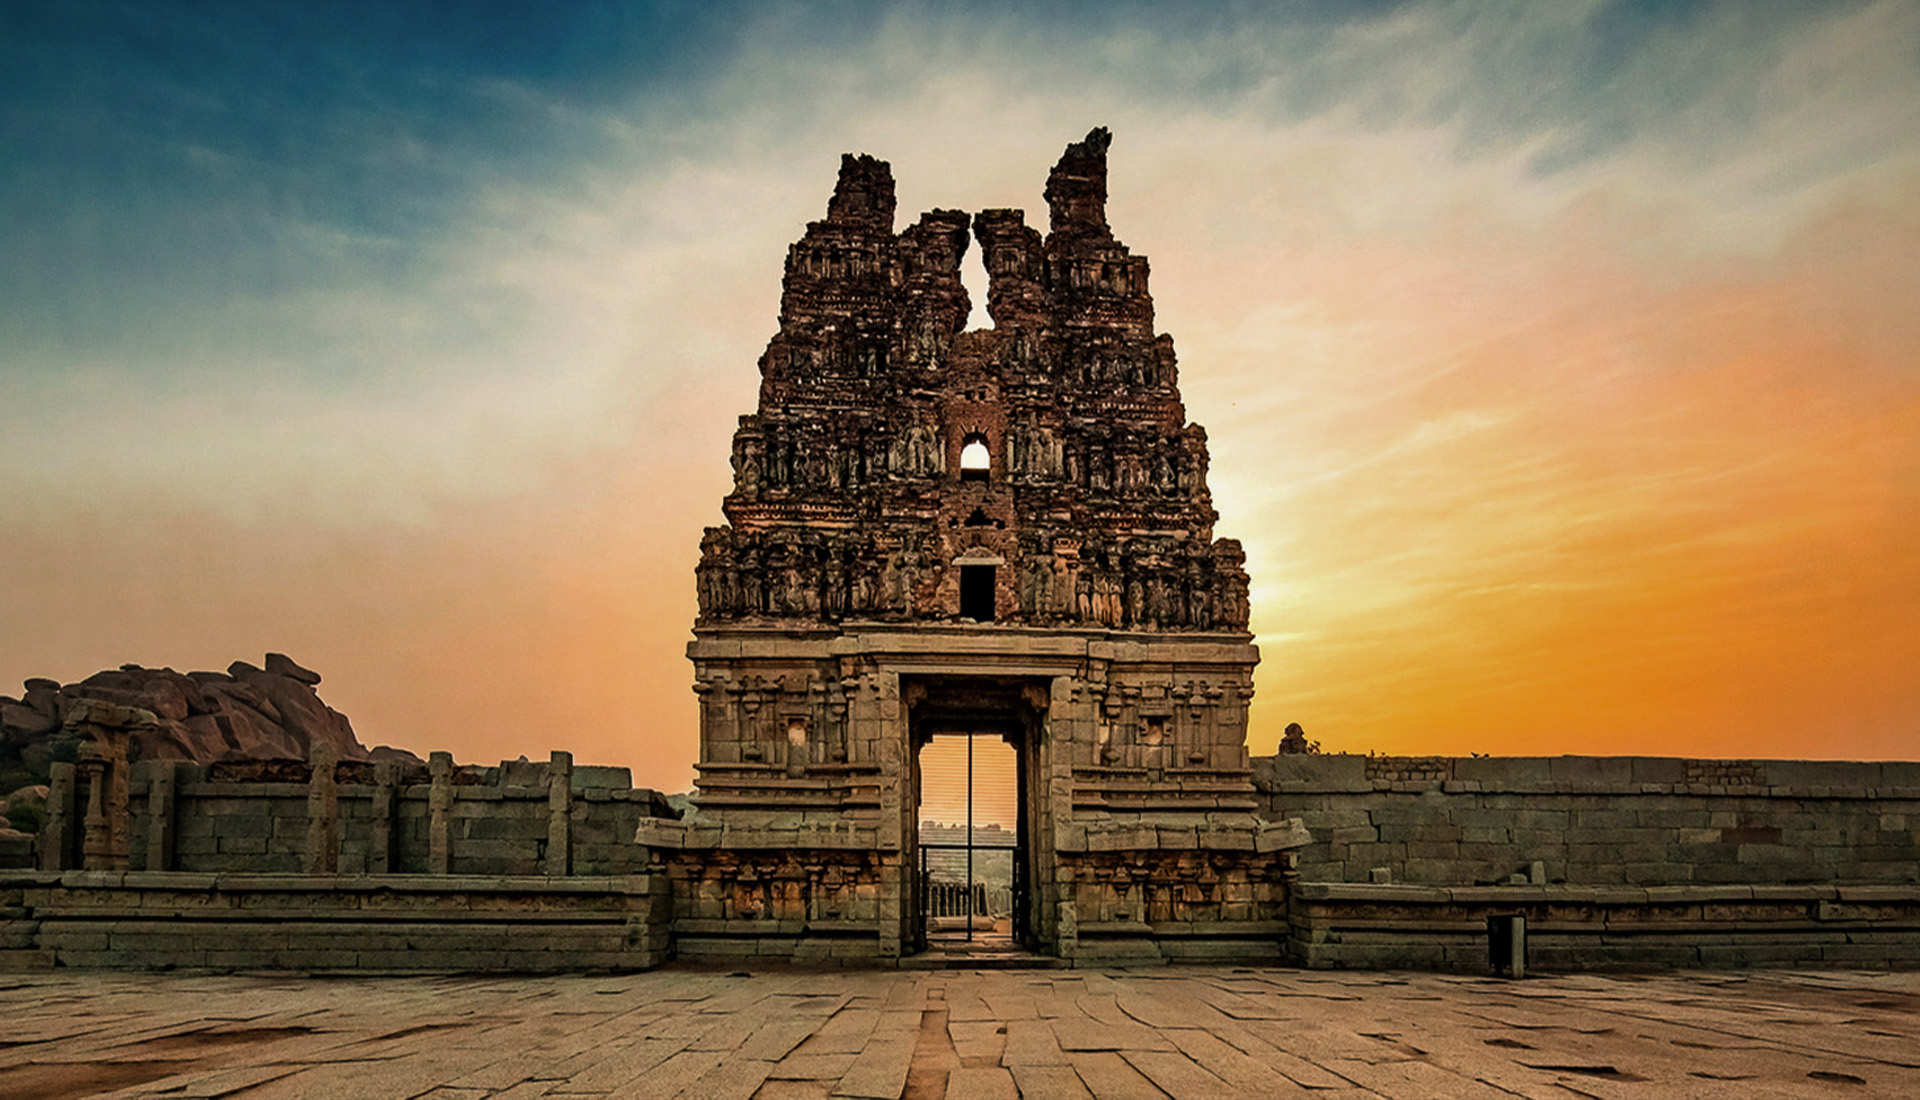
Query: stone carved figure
{"type": "Point", "coordinates": [892, 585]}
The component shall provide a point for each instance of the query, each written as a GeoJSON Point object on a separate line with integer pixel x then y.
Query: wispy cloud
{"type": "Point", "coordinates": [1542, 349]}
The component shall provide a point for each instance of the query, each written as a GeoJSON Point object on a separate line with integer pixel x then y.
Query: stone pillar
{"type": "Point", "coordinates": [892, 753]}
{"type": "Point", "coordinates": [833, 739]}
{"type": "Point", "coordinates": [380, 828]}
{"type": "Point", "coordinates": [1071, 722]}
{"type": "Point", "coordinates": [440, 814]}
{"type": "Point", "coordinates": [56, 840]}
{"type": "Point", "coordinates": [160, 790]}
{"type": "Point", "coordinates": [558, 861]}
{"type": "Point", "coordinates": [323, 814]}
{"type": "Point", "coordinates": [103, 729]}
{"type": "Point", "coordinates": [651, 938]}
{"type": "Point", "coordinates": [104, 843]}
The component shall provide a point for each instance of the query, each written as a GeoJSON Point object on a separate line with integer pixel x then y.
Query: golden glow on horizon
{"type": "Point", "coordinates": [944, 781]}
{"type": "Point", "coordinates": [1670, 522]}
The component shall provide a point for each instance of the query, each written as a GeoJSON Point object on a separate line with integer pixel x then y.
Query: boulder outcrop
{"type": "Point", "coordinates": [245, 713]}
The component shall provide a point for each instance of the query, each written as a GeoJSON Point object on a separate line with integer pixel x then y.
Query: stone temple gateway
{"type": "Point", "coordinates": [1003, 534]}
{"type": "Point", "coordinates": [1007, 531]}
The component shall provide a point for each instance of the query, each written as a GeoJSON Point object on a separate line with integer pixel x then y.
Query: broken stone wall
{"type": "Point", "coordinates": [339, 865]}
{"type": "Point", "coordinates": [355, 817]}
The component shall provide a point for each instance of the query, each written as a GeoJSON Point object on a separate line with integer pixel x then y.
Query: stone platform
{"type": "Point", "coordinates": [778, 1034]}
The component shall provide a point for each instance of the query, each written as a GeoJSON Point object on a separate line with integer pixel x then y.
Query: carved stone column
{"type": "Point", "coordinates": [104, 729]}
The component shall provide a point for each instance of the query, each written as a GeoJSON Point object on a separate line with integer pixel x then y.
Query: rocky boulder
{"type": "Point", "coordinates": [25, 810]}
{"type": "Point", "coordinates": [244, 713]}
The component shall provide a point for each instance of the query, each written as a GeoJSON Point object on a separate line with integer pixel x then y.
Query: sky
{"type": "Point", "coordinates": [1560, 361]}
{"type": "Point", "coordinates": [958, 785]}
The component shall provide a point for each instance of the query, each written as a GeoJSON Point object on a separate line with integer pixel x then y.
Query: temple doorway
{"type": "Point", "coordinates": [969, 824]}
{"type": "Point", "coordinates": [972, 861]}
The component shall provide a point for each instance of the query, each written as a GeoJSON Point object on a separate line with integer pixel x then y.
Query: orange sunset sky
{"type": "Point", "coordinates": [1561, 361]}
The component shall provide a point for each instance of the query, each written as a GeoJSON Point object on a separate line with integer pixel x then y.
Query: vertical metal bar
{"type": "Point", "coordinates": [970, 837]}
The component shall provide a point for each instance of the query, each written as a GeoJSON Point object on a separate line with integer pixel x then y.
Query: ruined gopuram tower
{"type": "Point", "coordinates": [1003, 531]}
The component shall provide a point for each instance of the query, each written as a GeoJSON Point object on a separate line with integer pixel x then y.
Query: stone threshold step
{"type": "Point", "coordinates": [989, 959]}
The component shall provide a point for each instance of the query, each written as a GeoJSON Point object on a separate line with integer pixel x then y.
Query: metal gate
{"type": "Point", "coordinates": [973, 885]}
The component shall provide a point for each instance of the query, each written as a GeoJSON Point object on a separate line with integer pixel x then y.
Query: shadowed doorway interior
{"type": "Point", "coordinates": [969, 830]}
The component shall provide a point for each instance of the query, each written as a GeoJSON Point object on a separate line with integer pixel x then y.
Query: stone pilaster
{"type": "Point", "coordinates": [323, 813]}
{"type": "Point", "coordinates": [380, 823]}
{"type": "Point", "coordinates": [558, 860]}
{"type": "Point", "coordinates": [440, 813]}
{"type": "Point", "coordinates": [57, 839]}
{"type": "Point", "coordinates": [161, 781]}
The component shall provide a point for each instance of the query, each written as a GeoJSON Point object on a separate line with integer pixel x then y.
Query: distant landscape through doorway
{"type": "Point", "coordinates": [969, 822]}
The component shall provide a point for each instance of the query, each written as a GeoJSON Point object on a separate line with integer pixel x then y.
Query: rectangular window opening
{"type": "Point", "coordinates": [976, 592]}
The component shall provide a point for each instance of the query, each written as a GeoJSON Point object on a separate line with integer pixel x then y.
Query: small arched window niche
{"type": "Point", "coordinates": [976, 460]}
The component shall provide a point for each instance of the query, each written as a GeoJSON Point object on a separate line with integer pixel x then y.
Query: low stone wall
{"type": "Point", "coordinates": [1367, 926]}
{"type": "Point", "coordinates": [359, 923]}
{"type": "Point", "coordinates": [327, 817]}
{"type": "Point", "coordinates": [1614, 861]}
{"type": "Point", "coordinates": [1639, 821]}
{"type": "Point", "coordinates": [322, 865]}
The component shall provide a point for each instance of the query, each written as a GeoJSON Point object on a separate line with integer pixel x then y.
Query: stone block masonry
{"type": "Point", "coordinates": [379, 923]}
{"type": "Point", "coordinates": [1004, 533]}
{"type": "Point", "coordinates": [1370, 926]}
{"type": "Point", "coordinates": [326, 817]}
{"type": "Point", "coordinates": [1599, 821]}
{"type": "Point", "coordinates": [330, 865]}
{"type": "Point", "coordinates": [1614, 861]}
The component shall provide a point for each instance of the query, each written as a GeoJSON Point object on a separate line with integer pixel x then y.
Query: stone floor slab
{"type": "Point", "coordinates": [1052, 1082]}
{"type": "Point", "coordinates": [879, 1035]}
{"type": "Point", "coordinates": [981, 1083]}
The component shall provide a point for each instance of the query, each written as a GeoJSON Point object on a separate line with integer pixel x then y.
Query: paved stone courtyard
{"type": "Point", "coordinates": [790, 1034]}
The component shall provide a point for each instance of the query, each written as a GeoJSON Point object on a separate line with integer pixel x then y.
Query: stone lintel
{"type": "Point", "coordinates": [1048, 651]}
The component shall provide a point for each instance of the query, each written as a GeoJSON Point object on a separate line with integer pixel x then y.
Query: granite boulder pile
{"type": "Point", "coordinates": [245, 713]}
